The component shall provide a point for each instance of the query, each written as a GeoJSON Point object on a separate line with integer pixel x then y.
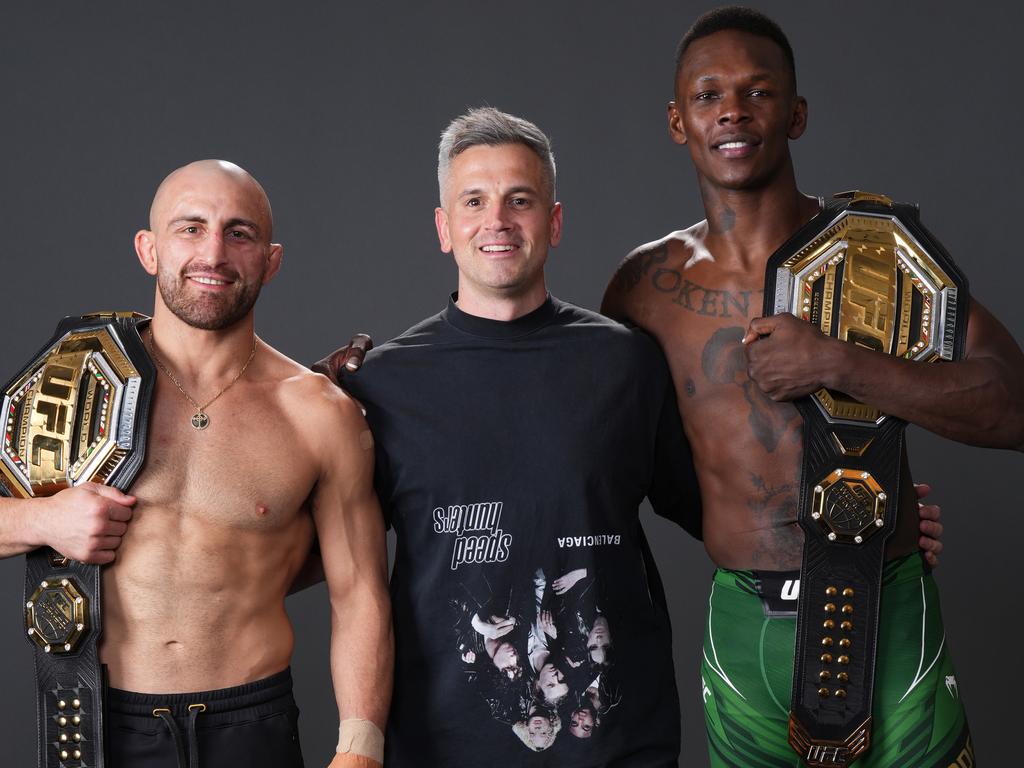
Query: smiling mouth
{"type": "Point", "coordinates": [736, 147]}
{"type": "Point", "coordinates": [203, 280]}
{"type": "Point", "coordinates": [504, 248]}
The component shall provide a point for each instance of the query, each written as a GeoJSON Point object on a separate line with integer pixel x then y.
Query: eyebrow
{"type": "Point", "coordinates": [516, 190]}
{"type": "Point", "coordinates": [198, 219]}
{"type": "Point", "coordinates": [753, 78]}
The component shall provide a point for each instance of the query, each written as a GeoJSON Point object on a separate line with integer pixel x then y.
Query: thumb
{"type": "Point", "coordinates": [760, 326]}
{"type": "Point", "coordinates": [112, 493]}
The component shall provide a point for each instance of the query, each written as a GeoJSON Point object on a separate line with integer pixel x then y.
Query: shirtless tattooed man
{"type": "Point", "coordinates": [219, 523]}
{"type": "Point", "coordinates": [699, 291]}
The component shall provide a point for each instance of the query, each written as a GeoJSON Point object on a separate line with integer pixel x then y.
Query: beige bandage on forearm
{"type": "Point", "coordinates": [360, 737]}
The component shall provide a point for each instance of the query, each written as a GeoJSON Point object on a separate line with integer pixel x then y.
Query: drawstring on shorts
{"type": "Point", "coordinates": [194, 710]}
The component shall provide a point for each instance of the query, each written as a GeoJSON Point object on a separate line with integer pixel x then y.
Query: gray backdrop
{"type": "Point", "coordinates": [336, 109]}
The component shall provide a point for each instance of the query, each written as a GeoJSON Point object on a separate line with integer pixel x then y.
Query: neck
{"type": "Point", "coordinates": [498, 306]}
{"type": "Point", "coordinates": [745, 226]}
{"type": "Point", "coordinates": [200, 358]}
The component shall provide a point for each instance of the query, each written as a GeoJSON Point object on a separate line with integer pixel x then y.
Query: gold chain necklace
{"type": "Point", "coordinates": [199, 419]}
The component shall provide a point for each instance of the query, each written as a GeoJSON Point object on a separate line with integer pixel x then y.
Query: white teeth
{"type": "Point", "coordinates": [496, 248]}
{"type": "Point", "coordinates": [209, 281]}
{"type": "Point", "coordinates": [732, 145]}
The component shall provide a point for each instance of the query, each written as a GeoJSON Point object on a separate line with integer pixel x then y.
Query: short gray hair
{"type": "Point", "coordinates": [487, 126]}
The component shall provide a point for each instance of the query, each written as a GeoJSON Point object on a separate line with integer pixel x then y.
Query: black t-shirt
{"type": "Point", "coordinates": [530, 621]}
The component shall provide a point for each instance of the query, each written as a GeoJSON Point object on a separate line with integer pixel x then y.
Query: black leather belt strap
{"type": "Point", "coordinates": [77, 413]}
{"type": "Point", "coordinates": [840, 590]}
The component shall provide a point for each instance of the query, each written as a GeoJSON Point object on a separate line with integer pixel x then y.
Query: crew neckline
{"type": "Point", "coordinates": [499, 329]}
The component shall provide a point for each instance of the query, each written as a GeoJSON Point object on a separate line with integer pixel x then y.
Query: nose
{"type": "Point", "coordinates": [498, 218]}
{"type": "Point", "coordinates": [214, 249]}
{"type": "Point", "coordinates": [732, 109]}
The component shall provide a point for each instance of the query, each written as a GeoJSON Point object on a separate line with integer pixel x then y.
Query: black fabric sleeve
{"type": "Point", "coordinates": [674, 492]}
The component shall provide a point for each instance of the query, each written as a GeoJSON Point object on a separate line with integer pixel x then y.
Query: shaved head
{"type": "Point", "coordinates": [209, 243]}
{"type": "Point", "coordinates": [199, 174]}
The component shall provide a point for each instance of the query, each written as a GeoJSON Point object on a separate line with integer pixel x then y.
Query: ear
{"type": "Point", "coordinates": [443, 233]}
{"type": "Point", "coordinates": [798, 123]}
{"type": "Point", "coordinates": [145, 249]}
{"type": "Point", "coordinates": [274, 258]}
{"type": "Point", "coordinates": [675, 124]}
{"type": "Point", "coordinates": [556, 224]}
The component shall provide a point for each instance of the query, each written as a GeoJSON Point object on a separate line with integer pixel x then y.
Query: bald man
{"type": "Point", "coordinates": [249, 454]}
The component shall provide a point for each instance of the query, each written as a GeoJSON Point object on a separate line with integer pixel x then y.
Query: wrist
{"type": "Point", "coordinates": [32, 525]}
{"type": "Point", "coordinates": [835, 364]}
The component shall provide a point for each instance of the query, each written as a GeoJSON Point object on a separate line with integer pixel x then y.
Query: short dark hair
{"type": "Point", "coordinates": [740, 18]}
{"type": "Point", "coordinates": [487, 126]}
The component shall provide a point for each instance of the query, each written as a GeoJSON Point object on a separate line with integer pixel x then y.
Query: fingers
{"type": "Point", "coordinates": [929, 511]}
{"type": "Point", "coordinates": [119, 513]}
{"type": "Point", "coordinates": [103, 557]}
{"type": "Point", "coordinates": [922, 489]}
{"type": "Point", "coordinates": [360, 344]}
{"type": "Point", "coordinates": [931, 529]}
{"type": "Point", "coordinates": [331, 365]}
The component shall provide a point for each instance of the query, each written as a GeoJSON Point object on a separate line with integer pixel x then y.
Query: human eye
{"type": "Point", "coordinates": [473, 202]}
{"type": "Point", "coordinates": [705, 96]}
{"type": "Point", "coordinates": [238, 234]}
{"type": "Point", "coordinates": [190, 229]}
{"type": "Point", "coordinates": [519, 201]}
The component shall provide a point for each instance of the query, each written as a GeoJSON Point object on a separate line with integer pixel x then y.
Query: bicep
{"type": "Point", "coordinates": [989, 339]}
{"type": "Point", "coordinates": [348, 518]}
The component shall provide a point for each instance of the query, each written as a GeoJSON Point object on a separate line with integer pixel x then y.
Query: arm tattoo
{"type": "Point", "coordinates": [633, 269]}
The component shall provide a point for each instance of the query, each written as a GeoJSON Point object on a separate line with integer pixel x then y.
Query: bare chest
{"type": "Point", "coordinates": [247, 470]}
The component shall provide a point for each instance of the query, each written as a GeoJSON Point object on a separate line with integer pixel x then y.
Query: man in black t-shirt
{"type": "Point", "coordinates": [516, 437]}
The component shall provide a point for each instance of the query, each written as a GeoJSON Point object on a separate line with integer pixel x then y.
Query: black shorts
{"type": "Point", "coordinates": [254, 725]}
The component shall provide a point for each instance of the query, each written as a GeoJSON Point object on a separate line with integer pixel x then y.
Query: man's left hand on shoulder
{"type": "Point", "coordinates": [786, 357]}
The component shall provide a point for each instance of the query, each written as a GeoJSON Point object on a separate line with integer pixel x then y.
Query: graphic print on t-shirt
{"type": "Point", "coordinates": [478, 534]}
{"type": "Point", "coordinates": [539, 651]}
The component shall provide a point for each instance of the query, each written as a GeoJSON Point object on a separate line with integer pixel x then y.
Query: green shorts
{"type": "Point", "coordinates": [747, 674]}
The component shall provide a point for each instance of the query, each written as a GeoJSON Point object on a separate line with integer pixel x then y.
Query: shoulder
{"type": "Point", "coordinates": [677, 250]}
{"type": "Point", "coordinates": [311, 398]}
{"type": "Point", "coordinates": [620, 343]}
{"type": "Point", "coordinates": [423, 333]}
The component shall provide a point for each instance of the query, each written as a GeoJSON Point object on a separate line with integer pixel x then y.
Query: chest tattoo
{"type": "Point", "coordinates": [724, 362]}
{"type": "Point", "coordinates": [710, 302]}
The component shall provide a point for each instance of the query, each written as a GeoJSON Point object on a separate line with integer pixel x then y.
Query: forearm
{"type": "Point", "coordinates": [362, 654]}
{"type": "Point", "coordinates": [20, 531]}
{"type": "Point", "coordinates": [978, 401]}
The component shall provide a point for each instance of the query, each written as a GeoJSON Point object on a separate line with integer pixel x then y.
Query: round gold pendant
{"type": "Point", "coordinates": [200, 420]}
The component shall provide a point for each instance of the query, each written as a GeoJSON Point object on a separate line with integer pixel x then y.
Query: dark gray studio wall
{"type": "Point", "coordinates": [336, 109]}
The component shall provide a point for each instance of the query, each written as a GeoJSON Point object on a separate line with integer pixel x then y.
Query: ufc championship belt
{"type": "Point", "coordinates": [77, 413]}
{"type": "Point", "coordinates": [866, 271]}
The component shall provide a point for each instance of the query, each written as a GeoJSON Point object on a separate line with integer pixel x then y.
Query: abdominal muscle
{"type": "Point", "coordinates": [194, 603]}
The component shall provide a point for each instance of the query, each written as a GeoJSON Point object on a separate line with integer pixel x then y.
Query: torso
{"type": "Point", "coordinates": [747, 448]}
{"type": "Point", "coordinates": [195, 599]}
